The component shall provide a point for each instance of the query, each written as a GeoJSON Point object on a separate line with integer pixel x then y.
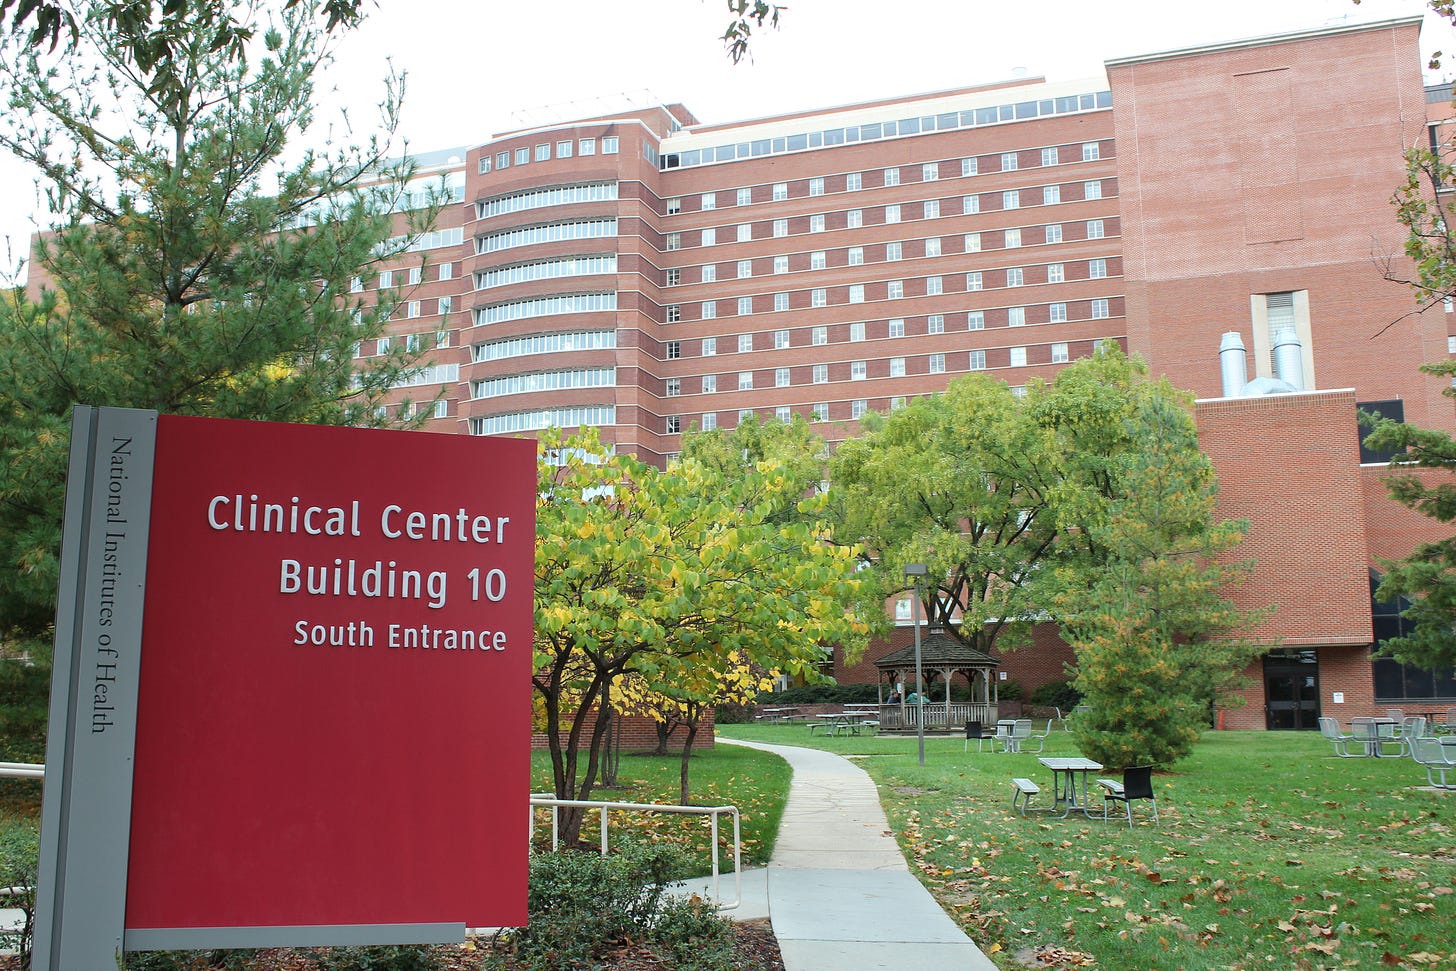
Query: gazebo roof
{"type": "Point", "coordinates": [938, 650]}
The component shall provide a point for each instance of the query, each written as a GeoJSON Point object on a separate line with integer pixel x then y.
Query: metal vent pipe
{"type": "Point", "coordinates": [1288, 357]}
{"type": "Point", "coordinates": [1233, 364]}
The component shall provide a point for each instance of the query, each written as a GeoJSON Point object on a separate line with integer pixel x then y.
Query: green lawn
{"type": "Point", "coordinates": [1272, 853]}
{"type": "Point", "coordinates": [725, 775]}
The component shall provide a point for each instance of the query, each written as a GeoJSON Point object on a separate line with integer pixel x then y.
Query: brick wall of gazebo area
{"type": "Point", "coordinates": [1039, 662]}
{"type": "Point", "coordinates": [639, 734]}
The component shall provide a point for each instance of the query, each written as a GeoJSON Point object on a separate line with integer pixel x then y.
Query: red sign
{"type": "Point", "coordinates": [334, 713]}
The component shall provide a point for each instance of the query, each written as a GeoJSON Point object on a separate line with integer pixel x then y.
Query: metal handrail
{"type": "Point", "coordinates": [713, 812]}
{"type": "Point", "coordinates": [21, 770]}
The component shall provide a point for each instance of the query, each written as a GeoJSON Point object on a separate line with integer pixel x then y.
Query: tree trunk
{"type": "Point", "coordinates": [690, 734]}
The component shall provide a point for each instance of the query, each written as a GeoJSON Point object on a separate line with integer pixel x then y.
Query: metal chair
{"type": "Point", "coordinates": [1397, 713]}
{"type": "Point", "coordinates": [1447, 724]}
{"type": "Point", "coordinates": [1330, 729]}
{"type": "Point", "coordinates": [1410, 729]}
{"type": "Point", "coordinates": [1137, 783]}
{"type": "Point", "coordinates": [974, 730]}
{"type": "Point", "coordinates": [1038, 737]}
{"type": "Point", "coordinates": [1435, 758]}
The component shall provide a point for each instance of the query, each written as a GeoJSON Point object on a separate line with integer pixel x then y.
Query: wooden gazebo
{"type": "Point", "coordinates": [942, 657]}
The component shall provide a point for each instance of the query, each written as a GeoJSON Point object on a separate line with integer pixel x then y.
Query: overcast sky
{"type": "Point", "coordinates": [475, 69]}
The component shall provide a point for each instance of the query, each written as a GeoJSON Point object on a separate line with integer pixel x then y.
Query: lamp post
{"type": "Point", "coordinates": [913, 572]}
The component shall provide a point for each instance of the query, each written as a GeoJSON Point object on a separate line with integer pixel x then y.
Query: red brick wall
{"type": "Point", "coordinates": [639, 734]}
{"type": "Point", "coordinates": [1393, 529]}
{"type": "Point", "coordinates": [1043, 660]}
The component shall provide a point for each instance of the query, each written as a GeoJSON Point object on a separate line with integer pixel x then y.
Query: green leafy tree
{"type": "Point", "coordinates": [196, 274]}
{"type": "Point", "coordinates": [676, 577]}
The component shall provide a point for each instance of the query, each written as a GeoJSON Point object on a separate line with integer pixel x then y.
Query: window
{"type": "Point", "coordinates": [932, 246]}
{"type": "Point", "coordinates": [930, 171]}
{"type": "Point", "coordinates": [745, 306]}
{"type": "Point", "coordinates": [745, 269]}
{"type": "Point", "coordinates": [819, 297]}
{"type": "Point", "coordinates": [892, 252]}
{"type": "Point", "coordinates": [1096, 269]}
{"type": "Point", "coordinates": [1056, 273]}
{"type": "Point", "coordinates": [502, 160]}
{"type": "Point", "coordinates": [1013, 276]}
{"type": "Point", "coordinates": [673, 277]}
{"type": "Point", "coordinates": [1059, 353]}
{"type": "Point", "coordinates": [892, 214]}
{"type": "Point", "coordinates": [710, 272]}
{"type": "Point", "coordinates": [1016, 317]}
{"type": "Point", "coordinates": [1011, 199]}
{"type": "Point", "coordinates": [674, 241]}
{"type": "Point", "coordinates": [856, 293]}
{"type": "Point", "coordinates": [976, 320]}
{"type": "Point", "coordinates": [821, 374]}
{"type": "Point", "coordinates": [937, 364]}
{"type": "Point", "coordinates": [820, 411]}
{"type": "Point", "coordinates": [897, 402]}
{"type": "Point", "coordinates": [386, 279]}
{"type": "Point", "coordinates": [710, 237]}
{"type": "Point", "coordinates": [853, 182]}
{"type": "Point", "coordinates": [744, 414]}
{"type": "Point", "coordinates": [447, 271]}
{"type": "Point", "coordinates": [674, 350]}
{"type": "Point", "coordinates": [443, 305]}
{"type": "Point", "coordinates": [780, 191]}
{"type": "Point", "coordinates": [857, 331]}
{"type": "Point", "coordinates": [895, 289]}
{"type": "Point", "coordinates": [935, 324]}
{"type": "Point", "coordinates": [381, 346]}
{"type": "Point", "coordinates": [858, 407]}
{"type": "Point", "coordinates": [969, 166]}
{"type": "Point", "coordinates": [932, 208]}
{"type": "Point", "coordinates": [414, 275]}
{"type": "Point", "coordinates": [1099, 309]}
{"type": "Point", "coordinates": [892, 176]}
{"type": "Point", "coordinates": [745, 380]}
{"type": "Point", "coordinates": [1018, 357]}
{"type": "Point", "coordinates": [672, 424]}
{"type": "Point", "coordinates": [1054, 233]}
{"type": "Point", "coordinates": [854, 218]}
{"type": "Point", "coordinates": [708, 200]}
{"type": "Point", "coordinates": [820, 335]}
{"type": "Point", "coordinates": [977, 361]}
{"type": "Point", "coordinates": [780, 228]}
{"type": "Point", "coordinates": [816, 186]}
{"type": "Point", "coordinates": [745, 343]}
{"type": "Point", "coordinates": [1091, 151]}
{"type": "Point", "coordinates": [933, 286]}
{"type": "Point", "coordinates": [412, 309]}
{"type": "Point", "coordinates": [1008, 161]}
{"type": "Point", "coordinates": [781, 264]}
{"type": "Point", "coordinates": [856, 255]}
{"type": "Point", "coordinates": [973, 242]}
{"type": "Point", "coordinates": [973, 280]}
{"type": "Point", "coordinates": [784, 413]}
{"type": "Point", "coordinates": [442, 408]}
{"type": "Point", "coordinates": [817, 260]}
{"type": "Point", "coordinates": [897, 327]}
{"type": "Point", "coordinates": [609, 145]}
{"type": "Point", "coordinates": [1094, 229]}
{"type": "Point", "coordinates": [816, 223]}
{"type": "Point", "coordinates": [858, 370]}
{"type": "Point", "coordinates": [781, 377]}
{"type": "Point", "coordinates": [1051, 195]}
{"type": "Point", "coordinates": [970, 204]}
{"type": "Point", "coordinates": [672, 387]}
{"type": "Point", "coordinates": [708, 310]}
{"type": "Point", "coordinates": [586, 146]}
{"type": "Point", "coordinates": [710, 420]}
{"type": "Point", "coordinates": [563, 149]}
{"type": "Point", "coordinates": [1058, 313]}
{"type": "Point", "coordinates": [543, 152]}
{"type": "Point", "coordinates": [710, 384]}
{"type": "Point", "coordinates": [710, 346]}
{"type": "Point", "coordinates": [1049, 156]}
{"type": "Point", "coordinates": [1092, 190]}
{"type": "Point", "coordinates": [781, 339]}
{"type": "Point", "coordinates": [897, 367]}
{"type": "Point", "coordinates": [745, 196]}
{"type": "Point", "coordinates": [442, 338]}
{"type": "Point", "coordinates": [1012, 238]}
{"type": "Point", "coordinates": [523, 156]}
{"type": "Point", "coordinates": [745, 232]}
{"type": "Point", "coordinates": [781, 302]}
{"type": "Point", "coordinates": [674, 313]}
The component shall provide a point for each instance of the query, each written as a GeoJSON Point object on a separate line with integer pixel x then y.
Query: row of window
{"type": "Point", "coordinates": [890, 214]}
{"type": "Point", "coordinates": [437, 239]}
{"type": "Point", "coordinates": [556, 303]}
{"type": "Point", "coordinates": [412, 343]}
{"type": "Point", "coordinates": [411, 275]}
{"type": "Point", "coordinates": [553, 343]}
{"type": "Point", "coordinates": [544, 381]}
{"type": "Point", "coordinates": [546, 270]}
{"type": "Point", "coordinates": [530, 421]}
{"type": "Point", "coordinates": [855, 181]}
{"type": "Point", "coordinates": [903, 127]}
{"type": "Point", "coordinates": [559, 195]}
{"type": "Point", "coordinates": [542, 152]}
{"type": "Point", "coordinates": [890, 252]}
{"type": "Point", "coordinates": [430, 374]}
{"type": "Point", "coordinates": [547, 233]}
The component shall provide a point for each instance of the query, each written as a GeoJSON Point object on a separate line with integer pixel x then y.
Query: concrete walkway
{"type": "Point", "coordinates": [837, 890]}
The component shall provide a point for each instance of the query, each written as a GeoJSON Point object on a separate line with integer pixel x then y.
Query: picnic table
{"type": "Point", "coordinates": [1373, 733]}
{"type": "Point", "coordinates": [1065, 790]}
{"type": "Point", "coordinates": [779, 714]}
{"type": "Point", "coordinates": [849, 723]}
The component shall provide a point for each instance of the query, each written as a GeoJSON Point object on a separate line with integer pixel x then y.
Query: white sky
{"type": "Point", "coordinates": [473, 66]}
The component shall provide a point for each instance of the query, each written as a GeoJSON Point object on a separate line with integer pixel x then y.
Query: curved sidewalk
{"type": "Point", "coordinates": [837, 890]}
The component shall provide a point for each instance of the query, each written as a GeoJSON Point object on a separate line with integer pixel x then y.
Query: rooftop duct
{"type": "Point", "coordinates": [1233, 364]}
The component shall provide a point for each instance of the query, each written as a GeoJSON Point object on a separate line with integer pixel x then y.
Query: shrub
{"type": "Point", "coordinates": [229, 960]}
{"type": "Point", "coordinates": [1057, 694]}
{"type": "Point", "coordinates": [732, 713]}
{"type": "Point", "coordinates": [820, 694]}
{"type": "Point", "coordinates": [1009, 691]}
{"type": "Point", "coordinates": [19, 856]}
{"type": "Point", "coordinates": [379, 957]}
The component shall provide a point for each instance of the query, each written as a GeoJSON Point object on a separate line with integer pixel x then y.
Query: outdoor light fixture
{"type": "Point", "coordinates": [913, 573]}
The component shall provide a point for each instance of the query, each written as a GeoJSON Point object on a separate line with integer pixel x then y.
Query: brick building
{"type": "Point", "coordinates": [647, 274]}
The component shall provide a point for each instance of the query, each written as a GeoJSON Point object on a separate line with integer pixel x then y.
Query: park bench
{"type": "Point", "coordinates": [1025, 789]}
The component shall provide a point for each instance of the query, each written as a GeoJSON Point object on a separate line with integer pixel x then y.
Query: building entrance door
{"type": "Point", "coordinates": [1291, 690]}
